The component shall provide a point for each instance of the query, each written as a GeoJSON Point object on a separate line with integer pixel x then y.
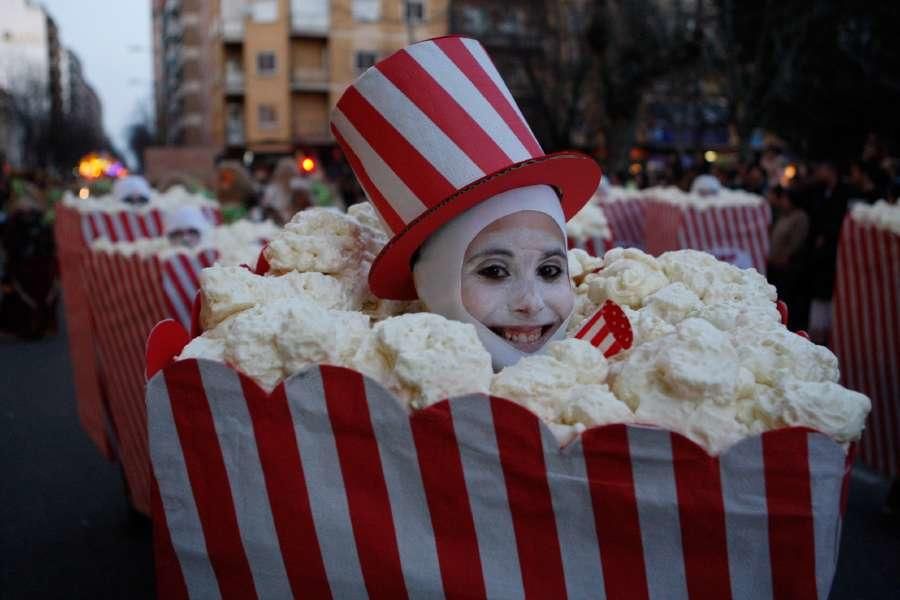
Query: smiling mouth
{"type": "Point", "coordinates": [526, 338]}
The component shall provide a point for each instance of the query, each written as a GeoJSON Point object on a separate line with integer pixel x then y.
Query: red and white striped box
{"type": "Point", "coordinates": [327, 488]}
{"type": "Point", "coordinates": [626, 222]}
{"type": "Point", "coordinates": [735, 234]}
{"type": "Point", "coordinates": [131, 225]}
{"type": "Point", "coordinates": [127, 296]}
{"type": "Point", "coordinates": [71, 251]}
{"type": "Point", "coordinates": [866, 334]}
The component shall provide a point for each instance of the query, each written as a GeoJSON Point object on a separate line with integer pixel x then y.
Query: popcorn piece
{"type": "Point", "coordinates": [277, 339]}
{"type": "Point", "coordinates": [423, 358]}
{"type": "Point", "coordinates": [210, 347]}
{"type": "Point", "coordinates": [776, 354]}
{"type": "Point", "coordinates": [565, 385]}
{"type": "Point", "coordinates": [581, 264]}
{"type": "Point", "coordinates": [321, 240]}
{"type": "Point", "coordinates": [824, 406]}
{"type": "Point", "coordinates": [229, 290]}
{"type": "Point", "coordinates": [881, 214]}
{"type": "Point", "coordinates": [589, 222]}
{"type": "Point", "coordinates": [628, 276]}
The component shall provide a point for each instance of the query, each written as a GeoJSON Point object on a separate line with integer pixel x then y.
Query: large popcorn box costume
{"type": "Point", "coordinates": [737, 234]}
{"type": "Point", "coordinates": [327, 488]}
{"type": "Point", "coordinates": [128, 295]}
{"type": "Point", "coordinates": [625, 214]}
{"type": "Point", "coordinates": [866, 333]}
{"type": "Point", "coordinates": [94, 322]}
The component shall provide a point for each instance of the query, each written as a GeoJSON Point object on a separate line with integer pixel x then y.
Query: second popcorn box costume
{"type": "Point", "coordinates": [324, 486]}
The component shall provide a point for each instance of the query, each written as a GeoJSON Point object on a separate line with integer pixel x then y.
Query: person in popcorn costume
{"type": "Point", "coordinates": [476, 209]}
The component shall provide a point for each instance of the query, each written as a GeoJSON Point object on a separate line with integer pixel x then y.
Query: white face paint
{"type": "Point", "coordinates": [515, 279]}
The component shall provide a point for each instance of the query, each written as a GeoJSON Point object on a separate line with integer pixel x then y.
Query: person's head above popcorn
{"type": "Point", "coordinates": [477, 210]}
{"type": "Point", "coordinates": [186, 226]}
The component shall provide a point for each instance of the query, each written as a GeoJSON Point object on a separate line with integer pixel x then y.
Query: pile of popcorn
{"type": "Point", "coordinates": [710, 358]}
{"type": "Point", "coordinates": [176, 196]}
{"type": "Point", "coordinates": [881, 214]}
{"type": "Point", "coordinates": [724, 197]}
{"type": "Point", "coordinates": [589, 222]}
{"type": "Point", "coordinates": [237, 243]}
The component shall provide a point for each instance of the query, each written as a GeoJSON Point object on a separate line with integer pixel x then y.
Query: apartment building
{"type": "Point", "coordinates": [263, 75]}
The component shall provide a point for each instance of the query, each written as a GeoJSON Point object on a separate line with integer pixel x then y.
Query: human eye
{"type": "Point", "coordinates": [549, 272]}
{"type": "Point", "coordinates": [493, 272]}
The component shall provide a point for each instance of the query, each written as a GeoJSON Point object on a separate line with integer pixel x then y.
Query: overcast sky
{"type": "Point", "coordinates": [112, 38]}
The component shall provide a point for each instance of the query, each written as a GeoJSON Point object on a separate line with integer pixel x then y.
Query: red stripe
{"type": "Point", "coordinates": [457, 52]}
{"type": "Point", "coordinates": [208, 478]}
{"type": "Point", "coordinates": [608, 464]}
{"type": "Point", "coordinates": [126, 225]}
{"type": "Point", "coordinates": [419, 175]}
{"type": "Point", "coordinates": [181, 293]}
{"type": "Point", "coordinates": [190, 268]}
{"type": "Point", "coordinates": [701, 512]}
{"type": "Point", "coordinates": [95, 231]}
{"type": "Point", "coordinates": [142, 224]}
{"type": "Point", "coordinates": [789, 504]}
{"type": "Point", "coordinates": [113, 236]}
{"type": "Point", "coordinates": [169, 577]}
{"type": "Point", "coordinates": [167, 299]}
{"type": "Point", "coordinates": [279, 455]}
{"type": "Point", "coordinates": [601, 335]}
{"type": "Point", "coordinates": [427, 94]}
{"type": "Point", "coordinates": [525, 474]}
{"type": "Point", "coordinates": [157, 218]}
{"type": "Point", "coordinates": [874, 346]}
{"type": "Point", "coordinates": [590, 247]}
{"type": "Point", "coordinates": [367, 496]}
{"type": "Point", "coordinates": [384, 208]}
{"type": "Point", "coordinates": [448, 502]}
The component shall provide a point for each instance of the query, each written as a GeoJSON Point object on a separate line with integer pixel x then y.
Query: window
{"type": "Point", "coordinates": [365, 59]}
{"type": "Point", "coordinates": [264, 11]}
{"type": "Point", "coordinates": [366, 10]}
{"type": "Point", "coordinates": [414, 11]}
{"type": "Point", "coordinates": [268, 118]}
{"type": "Point", "coordinates": [265, 63]}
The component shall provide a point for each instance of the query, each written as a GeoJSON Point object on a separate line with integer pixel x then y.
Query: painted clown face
{"type": "Point", "coordinates": [515, 279]}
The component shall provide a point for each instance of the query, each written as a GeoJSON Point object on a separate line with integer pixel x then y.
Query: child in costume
{"type": "Point", "coordinates": [477, 210]}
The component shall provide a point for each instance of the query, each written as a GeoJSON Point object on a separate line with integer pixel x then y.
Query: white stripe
{"type": "Point", "coordinates": [151, 223]}
{"type": "Point", "coordinates": [420, 131]}
{"type": "Point", "coordinates": [746, 519]}
{"type": "Point", "coordinates": [480, 56]}
{"type": "Point", "coordinates": [119, 228]}
{"type": "Point", "coordinates": [134, 223]}
{"type": "Point", "coordinates": [409, 506]}
{"type": "Point", "coordinates": [234, 428]}
{"type": "Point", "coordinates": [657, 504]}
{"type": "Point", "coordinates": [573, 509]}
{"type": "Point", "coordinates": [182, 519]}
{"type": "Point", "coordinates": [463, 91]}
{"type": "Point", "coordinates": [595, 329]}
{"type": "Point", "coordinates": [86, 232]}
{"type": "Point", "coordinates": [477, 441]}
{"type": "Point", "coordinates": [395, 191]}
{"type": "Point", "coordinates": [826, 473]}
{"type": "Point", "coordinates": [172, 287]}
{"type": "Point", "coordinates": [606, 343]}
{"type": "Point", "coordinates": [100, 224]}
{"type": "Point", "coordinates": [324, 483]}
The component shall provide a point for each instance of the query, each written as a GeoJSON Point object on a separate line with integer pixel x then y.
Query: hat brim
{"type": "Point", "coordinates": [575, 176]}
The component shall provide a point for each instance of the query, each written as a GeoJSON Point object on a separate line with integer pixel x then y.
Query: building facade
{"type": "Point", "coordinates": [263, 75]}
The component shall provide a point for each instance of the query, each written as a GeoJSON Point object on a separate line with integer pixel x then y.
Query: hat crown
{"type": "Point", "coordinates": [426, 122]}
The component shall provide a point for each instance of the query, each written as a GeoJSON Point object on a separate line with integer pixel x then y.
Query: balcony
{"type": "Point", "coordinates": [310, 29]}
{"type": "Point", "coordinates": [234, 83]}
{"type": "Point", "coordinates": [310, 80]}
{"type": "Point", "coordinates": [232, 31]}
{"type": "Point", "coordinates": [234, 133]}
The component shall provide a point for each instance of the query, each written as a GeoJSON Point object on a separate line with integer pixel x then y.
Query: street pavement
{"type": "Point", "coordinates": [66, 530]}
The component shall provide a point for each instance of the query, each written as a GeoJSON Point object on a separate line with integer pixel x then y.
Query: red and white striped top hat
{"type": "Point", "coordinates": [431, 131]}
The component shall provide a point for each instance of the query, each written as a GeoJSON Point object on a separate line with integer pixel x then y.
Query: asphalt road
{"type": "Point", "coordinates": [66, 530]}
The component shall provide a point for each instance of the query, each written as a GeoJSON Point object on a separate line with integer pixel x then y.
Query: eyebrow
{"type": "Point", "coordinates": [508, 253]}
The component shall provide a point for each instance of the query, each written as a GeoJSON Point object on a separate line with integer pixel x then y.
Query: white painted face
{"type": "Point", "coordinates": [515, 279]}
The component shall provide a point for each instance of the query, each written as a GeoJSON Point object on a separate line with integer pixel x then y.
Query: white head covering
{"type": "Point", "coordinates": [186, 217]}
{"type": "Point", "coordinates": [438, 270]}
{"type": "Point", "coordinates": [706, 185]}
{"type": "Point", "coordinates": [132, 185]}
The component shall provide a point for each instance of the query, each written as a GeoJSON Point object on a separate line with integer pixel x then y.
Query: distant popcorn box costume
{"type": "Point", "coordinates": [324, 486]}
